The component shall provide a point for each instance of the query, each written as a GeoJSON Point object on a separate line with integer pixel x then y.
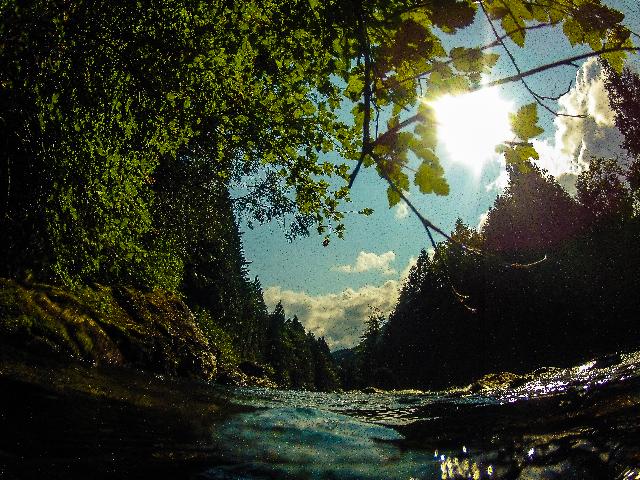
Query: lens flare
{"type": "Point", "coordinates": [470, 126]}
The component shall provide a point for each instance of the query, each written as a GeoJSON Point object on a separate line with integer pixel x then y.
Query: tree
{"type": "Point", "coordinates": [624, 97]}
{"type": "Point", "coordinates": [531, 216]}
{"type": "Point", "coordinates": [326, 371]}
{"type": "Point", "coordinates": [603, 190]}
{"type": "Point", "coordinates": [96, 97]}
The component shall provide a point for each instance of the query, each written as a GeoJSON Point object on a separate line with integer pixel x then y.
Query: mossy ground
{"type": "Point", "coordinates": [154, 331]}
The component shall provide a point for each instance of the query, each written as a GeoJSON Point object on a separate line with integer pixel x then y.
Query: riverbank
{"type": "Point", "coordinates": [108, 326]}
{"type": "Point", "coordinates": [67, 419]}
{"type": "Point", "coordinates": [152, 331]}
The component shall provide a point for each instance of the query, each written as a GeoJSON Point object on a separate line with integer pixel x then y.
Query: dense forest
{"type": "Point", "coordinates": [547, 280]}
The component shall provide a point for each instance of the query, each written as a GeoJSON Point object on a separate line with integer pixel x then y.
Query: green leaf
{"type": "Point", "coordinates": [524, 122]}
{"type": "Point", "coordinates": [430, 178]}
{"type": "Point", "coordinates": [428, 135]}
{"type": "Point", "coordinates": [539, 13]}
{"type": "Point", "coordinates": [355, 88]}
{"type": "Point", "coordinates": [519, 154]}
{"type": "Point", "coordinates": [573, 31]}
{"type": "Point", "coordinates": [515, 29]}
{"type": "Point", "coordinates": [616, 59]}
{"type": "Point", "coordinates": [393, 197]}
{"type": "Point", "coordinates": [471, 60]}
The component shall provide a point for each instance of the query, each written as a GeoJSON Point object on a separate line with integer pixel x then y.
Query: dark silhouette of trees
{"type": "Point", "coordinates": [624, 98]}
{"type": "Point", "coordinates": [604, 191]}
{"type": "Point", "coordinates": [533, 215]}
{"type": "Point", "coordinates": [299, 360]}
{"type": "Point", "coordinates": [478, 304]}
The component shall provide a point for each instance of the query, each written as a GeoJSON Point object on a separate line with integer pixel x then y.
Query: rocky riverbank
{"type": "Point", "coordinates": [580, 423]}
{"type": "Point", "coordinates": [116, 326]}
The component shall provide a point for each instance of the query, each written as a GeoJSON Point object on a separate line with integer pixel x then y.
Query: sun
{"type": "Point", "coordinates": [470, 126]}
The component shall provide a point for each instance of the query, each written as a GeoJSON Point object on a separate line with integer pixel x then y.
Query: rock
{"type": "Point", "coordinates": [371, 390]}
{"type": "Point", "coordinates": [577, 467]}
{"type": "Point", "coordinates": [408, 392]}
{"type": "Point", "coordinates": [237, 378]}
{"type": "Point", "coordinates": [153, 331]}
{"type": "Point", "coordinates": [607, 360]}
{"type": "Point", "coordinates": [496, 381]}
{"type": "Point", "coordinates": [230, 379]}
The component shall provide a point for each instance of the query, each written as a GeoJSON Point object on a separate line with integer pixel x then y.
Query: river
{"type": "Point", "coordinates": [569, 423]}
{"type": "Point", "coordinates": [75, 421]}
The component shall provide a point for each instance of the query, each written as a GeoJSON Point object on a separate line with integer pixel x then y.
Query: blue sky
{"type": "Point", "coordinates": [332, 288]}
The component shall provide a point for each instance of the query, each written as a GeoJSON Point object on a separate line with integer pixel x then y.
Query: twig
{"type": "Point", "coordinates": [367, 98]}
{"type": "Point", "coordinates": [565, 62]}
{"type": "Point", "coordinates": [537, 97]}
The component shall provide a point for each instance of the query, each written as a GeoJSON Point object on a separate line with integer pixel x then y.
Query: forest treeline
{"type": "Point", "coordinates": [548, 279]}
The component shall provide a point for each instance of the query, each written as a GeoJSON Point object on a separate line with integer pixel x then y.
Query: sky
{"type": "Point", "coordinates": [334, 289]}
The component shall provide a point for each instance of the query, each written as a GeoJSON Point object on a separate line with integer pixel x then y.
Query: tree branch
{"type": "Point", "coordinates": [366, 135]}
{"type": "Point", "coordinates": [537, 97]}
{"type": "Point", "coordinates": [428, 225]}
{"type": "Point", "coordinates": [487, 46]}
{"type": "Point", "coordinates": [564, 62]}
{"type": "Point", "coordinates": [513, 78]}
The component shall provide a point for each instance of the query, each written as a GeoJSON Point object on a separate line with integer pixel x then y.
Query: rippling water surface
{"type": "Point", "coordinates": [352, 435]}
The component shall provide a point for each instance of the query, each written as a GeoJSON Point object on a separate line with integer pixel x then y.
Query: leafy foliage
{"type": "Point", "coordinates": [624, 97]}
{"type": "Point", "coordinates": [97, 98]}
{"type": "Point", "coordinates": [603, 191]}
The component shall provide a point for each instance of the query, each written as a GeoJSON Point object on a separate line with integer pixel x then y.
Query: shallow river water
{"type": "Point", "coordinates": [549, 426]}
{"type": "Point", "coordinates": [72, 421]}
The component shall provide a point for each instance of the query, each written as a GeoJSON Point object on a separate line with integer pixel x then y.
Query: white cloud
{"type": "Point", "coordinates": [412, 261]}
{"type": "Point", "coordinates": [339, 317]}
{"type": "Point", "coordinates": [482, 220]}
{"type": "Point", "coordinates": [576, 140]}
{"type": "Point", "coordinates": [369, 261]}
{"type": "Point", "coordinates": [401, 211]}
{"type": "Point", "coordinates": [501, 182]}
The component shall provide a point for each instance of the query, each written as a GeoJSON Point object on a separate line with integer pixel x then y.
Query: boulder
{"type": "Point", "coordinates": [153, 331]}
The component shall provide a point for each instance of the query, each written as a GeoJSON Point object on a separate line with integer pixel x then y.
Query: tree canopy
{"type": "Point", "coordinates": [97, 97]}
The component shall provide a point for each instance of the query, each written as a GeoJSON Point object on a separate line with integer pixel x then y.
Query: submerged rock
{"type": "Point", "coordinates": [372, 390]}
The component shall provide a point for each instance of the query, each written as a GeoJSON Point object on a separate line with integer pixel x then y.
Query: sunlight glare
{"type": "Point", "coordinates": [470, 126]}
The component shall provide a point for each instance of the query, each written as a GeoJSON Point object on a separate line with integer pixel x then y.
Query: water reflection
{"type": "Point", "coordinates": [313, 444]}
{"type": "Point", "coordinates": [531, 428]}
